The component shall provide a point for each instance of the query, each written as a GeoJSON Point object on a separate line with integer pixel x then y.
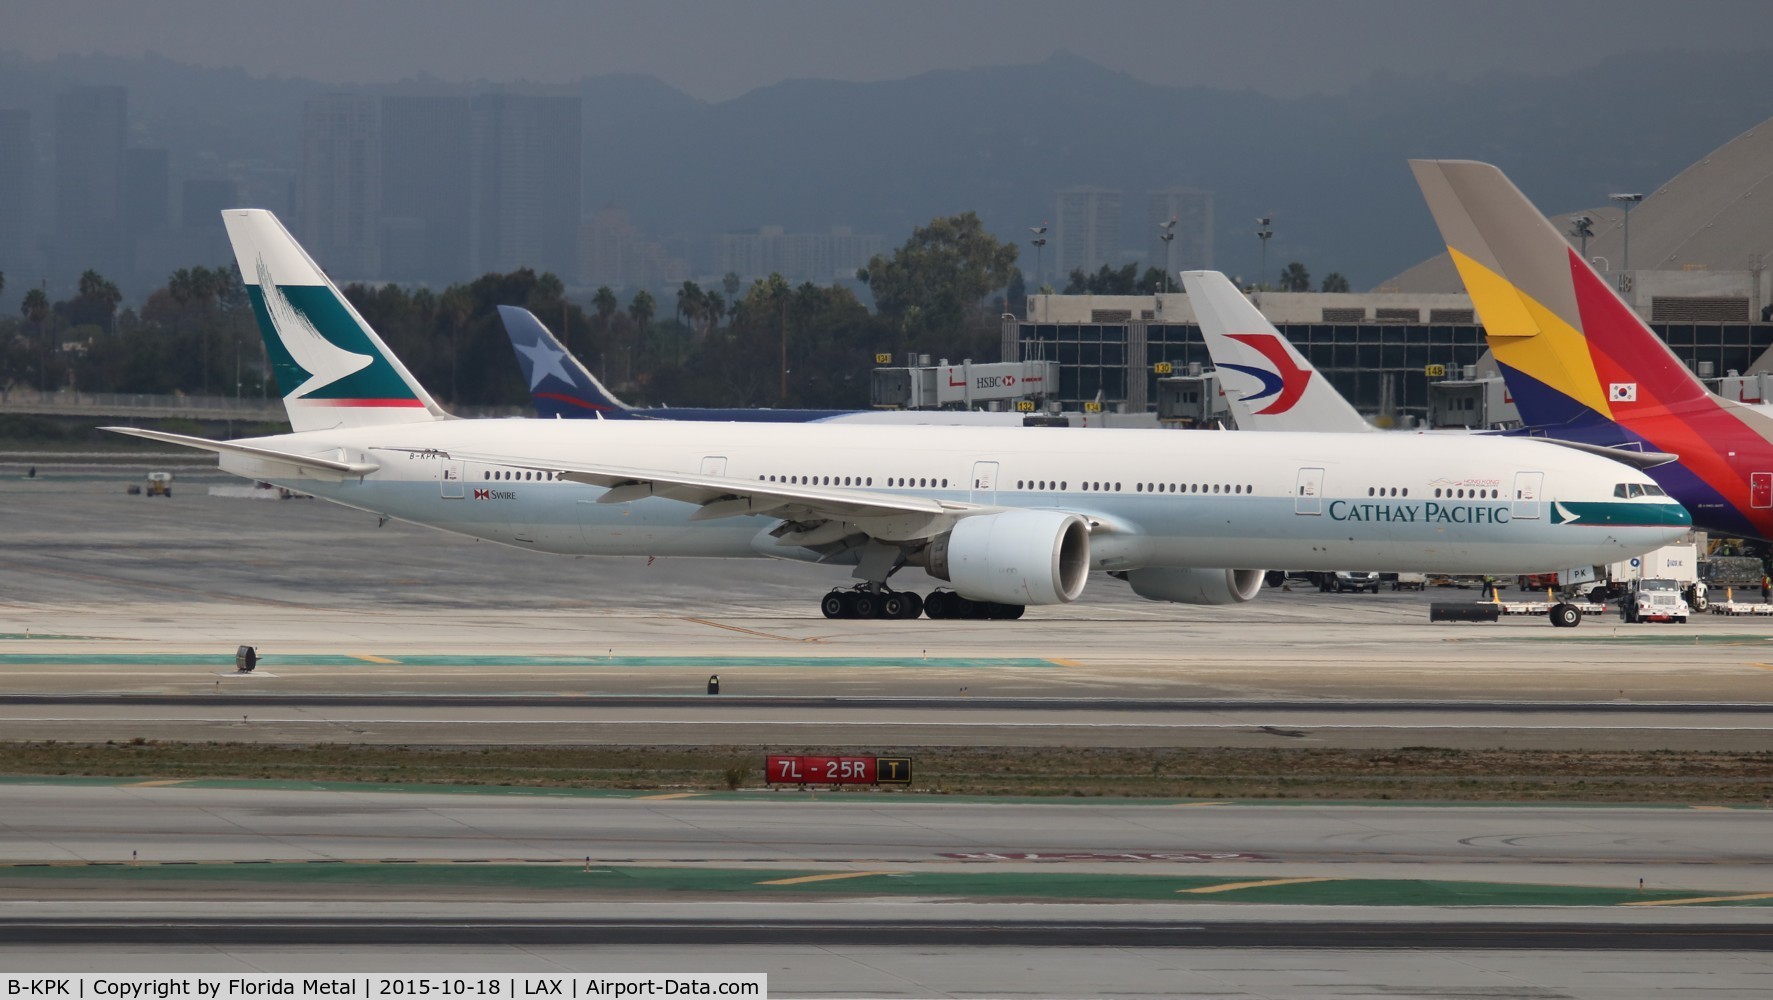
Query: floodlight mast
{"type": "Point", "coordinates": [1168, 236]}
{"type": "Point", "coordinates": [1628, 199]}
{"type": "Point", "coordinates": [1264, 232]}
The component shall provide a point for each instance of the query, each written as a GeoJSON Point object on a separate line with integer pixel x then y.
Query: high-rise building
{"type": "Point", "coordinates": [202, 237]}
{"type": "Point", "coordinates": [525, 180]}
{"type": "Point", "coordinates": [146, 201]}
{"type": "Point", "coordinates": [339, 197]}
{"type": "Point", "coordinates": [18, 228]}
{"type": "Point", "coordinates": [202, 201]}
{"type": "Point", "coordinates": [91, 126]}
{"type": "Point", "coordinates": [427, 194]}
{"type": "Point", "coordinates": [613, 252]}
{"type": "Point", "coordinates": [1192, 249]}
{"type": "Point", "coordinates": [1086, 231]}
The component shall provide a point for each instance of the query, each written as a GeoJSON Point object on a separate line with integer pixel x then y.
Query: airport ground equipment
{"type": "Point", "coordinates": [159, 484]}
{"type": "Point", "coordinates": [1653, 600]}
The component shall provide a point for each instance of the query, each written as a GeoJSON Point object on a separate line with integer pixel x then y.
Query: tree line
{"type": "Point", "coordinates": [768, 343]}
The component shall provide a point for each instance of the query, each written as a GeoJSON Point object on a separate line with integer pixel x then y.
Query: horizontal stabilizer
{"type": "Point", "coordinates": [298, 462]}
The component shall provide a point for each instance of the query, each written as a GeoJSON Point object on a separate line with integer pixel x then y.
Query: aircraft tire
{"type": "Point", "coordinates": [831, 606]}
{"type": "Point", "coordinates": [913, 605]}
{"type": "Point", "coordinates": [965, 608]}
{"type": "Point", "coordinates": [893, 606]}
{"type": "Point", "coordinates": [865, 606]}
{"type": "Point", "coordinates": [937, 605]}
{"type": "Point", "coordinates": [1566, 616]}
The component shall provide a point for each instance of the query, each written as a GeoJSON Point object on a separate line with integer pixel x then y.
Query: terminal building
{"type": "Point", "coordinates": [1381, 351]}
{"type": "Point", "coordinates": [1696, 273]}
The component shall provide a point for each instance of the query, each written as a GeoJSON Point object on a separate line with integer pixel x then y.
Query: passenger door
{"type": "Point", "coordinates": [1760, 489]}
{"type": "Point", "coordinates": [714, 465]}
{"type": "Point", "coordinates": [1309, 499]}
{"type": "Point", "coordinates": [984, 489]}
{"type": "Point", "coordinates": [1527, 487]}
{"type": "Point", "coordinates": [449, 478]}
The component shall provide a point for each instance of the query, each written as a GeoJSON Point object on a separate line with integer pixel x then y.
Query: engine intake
{"type": "Point", "coordinates": [1017, 557]}
{"type": "Point", "coordinates": [1195, 586]}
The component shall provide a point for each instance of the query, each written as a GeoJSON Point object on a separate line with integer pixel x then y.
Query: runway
{"type": "Point", "coordinates": [119, 616]}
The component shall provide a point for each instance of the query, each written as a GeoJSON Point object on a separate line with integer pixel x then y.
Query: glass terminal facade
{"type": "Point", "coordinates": [1379, 367]}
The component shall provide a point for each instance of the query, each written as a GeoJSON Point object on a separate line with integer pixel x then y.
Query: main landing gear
{"type": "Point", "coordinates": [863, 602]}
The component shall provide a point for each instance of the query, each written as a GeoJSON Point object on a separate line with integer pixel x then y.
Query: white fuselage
{"type": "Point", "coordinates": [1154, 498]}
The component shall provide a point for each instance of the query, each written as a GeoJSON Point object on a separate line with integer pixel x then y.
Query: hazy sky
{"type": "Point", "coordinates": [719, 50]}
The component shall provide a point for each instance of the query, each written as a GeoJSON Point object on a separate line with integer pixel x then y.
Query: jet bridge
{"type": "Point", "coordinates": [1022, 384]}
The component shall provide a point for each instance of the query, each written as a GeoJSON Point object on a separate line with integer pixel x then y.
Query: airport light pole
{"type": "Point", "coordinates": [1629, 200]}
{"type": "Point", "coordinates": [1168, 236]}
{"type": "Point", "coordinates": [1582, 227]}
{"type": "Point", "coordinates": [1039, 241]}
{"type": "Point", "coordinates": [1265, 232]}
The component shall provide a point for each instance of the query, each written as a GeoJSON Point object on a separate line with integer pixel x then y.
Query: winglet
{"type": "Point", "coordinates": [558, 384]}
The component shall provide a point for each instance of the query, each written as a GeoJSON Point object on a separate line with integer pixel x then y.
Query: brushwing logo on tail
{"type": "Point", "coordinates": [320, 359]}
{"type": "Point", "coordinates": [1286, 382]}
{"type": "Point", "coordinates": [318, 346]}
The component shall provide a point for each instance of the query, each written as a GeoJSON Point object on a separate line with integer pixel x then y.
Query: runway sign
{"type": "Point", "coordinates": [813, 770]}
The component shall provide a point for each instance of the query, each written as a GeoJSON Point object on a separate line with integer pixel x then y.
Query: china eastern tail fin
{"type": "Point", "coordinates": [1268, 383]}
{"type": "Point", "coordinates": [1572, 351]}
{"type": "Point", "coordinates": [332, 368]}
{"type": "Point", "coordinates": [558, 383]}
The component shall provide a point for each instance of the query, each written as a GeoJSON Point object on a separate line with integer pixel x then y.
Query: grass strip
{"type": "Point", "coordinates": [1420, 774]}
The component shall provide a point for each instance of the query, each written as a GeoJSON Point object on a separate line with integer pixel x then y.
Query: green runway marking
{"type": "Point", "coordinates": [50, 635]}
{"type": "Point", "coordinates": [571, 876]}
{"type": "Point", "coordinates": [274, 661]}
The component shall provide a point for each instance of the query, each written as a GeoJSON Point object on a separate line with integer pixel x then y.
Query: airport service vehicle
{"type": "Point", "coordinates": [1353, 582]}
{"type": "Point", "coordinates": [159, 484]}
{"type": "Point", "coordinates": [562, 387]}
{"type": "Point", "coordinates": [1653, 600]}
{"type": "Point", "coordinates": [1582, 366]}
{"type": "Point", "coordinates": [1007, 516]}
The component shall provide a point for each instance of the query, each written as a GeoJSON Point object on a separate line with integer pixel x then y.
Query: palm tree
{"type": "Point", "coordinates": [456, 306]}
{"type": "Point", "coordinates": [640, 310]}
{"type": "Point", "coordinates": [606, 305]}
{"type": "Point", "coordinates": [691, 301]}
{"type": "Point", "coordinates": [35, 308]}
{"type": "Point", "coordinates": [1335, 282]}
{"type": "Point", "coordinates": [1295, 278]}
{"type": "Point", "coordinates": [714, 308]}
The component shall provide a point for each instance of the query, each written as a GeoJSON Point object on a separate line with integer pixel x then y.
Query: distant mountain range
{"type": "Point", "coordinates": [883, 157]}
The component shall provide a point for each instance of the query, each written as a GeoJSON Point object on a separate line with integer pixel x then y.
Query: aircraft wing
{"type": "Point", "coordinates": [886, 516]}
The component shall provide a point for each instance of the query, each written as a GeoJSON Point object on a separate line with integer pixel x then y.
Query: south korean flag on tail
{"type": "Point", "coordinates": [1622, 392]}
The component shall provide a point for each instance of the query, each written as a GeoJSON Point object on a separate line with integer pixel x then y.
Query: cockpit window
{"type": "Point", "coordinates": [1632, 490]}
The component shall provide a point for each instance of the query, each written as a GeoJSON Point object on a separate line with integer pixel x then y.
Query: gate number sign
{"type": "Point", "coordinates": [790, 770]}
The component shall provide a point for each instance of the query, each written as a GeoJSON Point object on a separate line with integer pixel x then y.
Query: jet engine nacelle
{"type": "Point", "coordinates": [1017, 557]}
{"type": "Point", "coordinates": [1195, 586]}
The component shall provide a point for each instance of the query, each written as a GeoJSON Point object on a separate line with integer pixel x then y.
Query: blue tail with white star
{"type": "Point", "coordinates": [559, 385]}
